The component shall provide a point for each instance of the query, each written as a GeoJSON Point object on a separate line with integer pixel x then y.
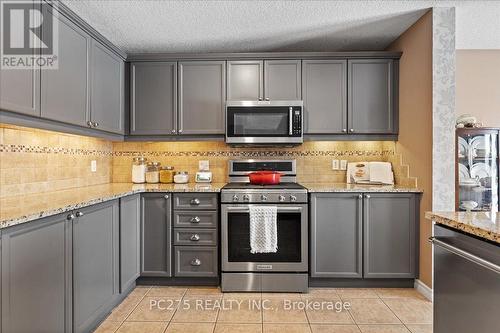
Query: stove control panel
{"type": "Point", "coordinates": [231, 196]}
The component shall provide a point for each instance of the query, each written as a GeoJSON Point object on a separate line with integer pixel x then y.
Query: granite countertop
{"type": "Point", "coordinates": [344, 187]}
{"type": "Point", "coordinates": [481, 224]}
{"type": "Point", "coordinates": [20, 209]}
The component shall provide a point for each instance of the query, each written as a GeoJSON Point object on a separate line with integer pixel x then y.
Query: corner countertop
{"type": "Point", "coordinates": [481, 224]}
{"type": "Point", "coordinates": [344, 187]}
{"type": "Point", "coordinates": [24, 208]}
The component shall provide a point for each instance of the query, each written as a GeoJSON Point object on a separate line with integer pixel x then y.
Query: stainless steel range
{"type": "Point", "coordinates": [285, 270]}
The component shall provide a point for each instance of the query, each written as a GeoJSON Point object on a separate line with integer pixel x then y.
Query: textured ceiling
{"type": "Point", "coordinates": [145, 26]}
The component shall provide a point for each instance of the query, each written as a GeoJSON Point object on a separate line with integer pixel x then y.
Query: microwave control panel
{"type": "Point", "coordinates": [296, 121]}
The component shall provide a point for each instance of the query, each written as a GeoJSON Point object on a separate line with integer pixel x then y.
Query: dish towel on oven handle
{"type": "Point", "coordinates": [263, 229]}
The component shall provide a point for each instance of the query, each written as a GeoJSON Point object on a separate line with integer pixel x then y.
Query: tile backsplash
{"type": "Point", "coordinates": [33, 160]}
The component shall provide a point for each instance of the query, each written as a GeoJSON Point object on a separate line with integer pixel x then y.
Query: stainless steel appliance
{"type": "Point", "coordinates": [264, 122]}
{"type": "Point", "coordinates": [283, 271]}
{"type": "Point", "coordinates": [466, 283]}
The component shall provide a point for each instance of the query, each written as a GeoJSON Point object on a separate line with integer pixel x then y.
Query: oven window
{"type": "Point", "coordinates": [262, 121]}
{"type": "Point", "coordinates": [289, 240]}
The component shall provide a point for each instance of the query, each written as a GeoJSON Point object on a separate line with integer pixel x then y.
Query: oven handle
{"type": "Point", "coordinates": [290, 118]}
{"type": "Point", "coordinates": [247, 210]}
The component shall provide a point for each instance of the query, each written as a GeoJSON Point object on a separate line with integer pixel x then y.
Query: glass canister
{"type": "Point", "coordinates": [181, 177]}
{"type": "Point", "coordinates": [153, 172]}
{"type": "Point", "coordinates": [167, 174]}
{"type": "Point", "coordinates": [139, 170]}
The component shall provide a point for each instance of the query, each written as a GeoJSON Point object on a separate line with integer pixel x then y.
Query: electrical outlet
{"type": "Point", "coordinates": [343, 164]}
{"type": "Point", "coordinates": [204, 165]}
{"type": "Point", "coordinates": [93, 166]}
{"type": "Point", "coordinates": [335, 164]}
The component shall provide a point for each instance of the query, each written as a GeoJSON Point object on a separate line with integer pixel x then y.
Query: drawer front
{"type": "Point", "coordinates": [198, 261]}
{"type": "Point", "coordinates": [195, 236]}
{"type": "Point", "coordinates": [206, 201]}
{"type": "Point", "coordinates": [195, 219]}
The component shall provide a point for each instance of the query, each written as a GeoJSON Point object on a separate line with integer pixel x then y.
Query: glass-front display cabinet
{"type": "Point", "coordinates": [477, 181]}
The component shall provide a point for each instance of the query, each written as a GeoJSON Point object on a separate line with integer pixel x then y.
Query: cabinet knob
{"type": "Point", "coordinates": [267, 98]}
{"type": "Point", "coordinates": [196, 262]}
{"type": "Point", "coordinates": [96, 124]}
{"type": "Point", "coordinates": [195, 201]}
{"type": "Point", "coordinates": [360, 196]}
{"type": "Point", "coordinates": [180, 131]}
{"type": "Point", "coordinates": [351, 130]}
{"type": "Point", "coordinates": [70, 217]}
{"type": "Point", "coordinates": [195, 237]}
{"type": "Point", "coordinates": [367, 196]}
{"type": "Point", "coordinates": [166, 196]}
{"type": "Point", "coordinates": [90, 124]}
{"type": "Point", "coordinates": [344, 130]}
{"type": "Point", "coordinates": [79, 214]}
{"type": "Point", "coordinates": [195, 219]}
{"type": "Point", "coordinates": [260, 98]}
{"type": "Point", "coordinates": [173, 131]}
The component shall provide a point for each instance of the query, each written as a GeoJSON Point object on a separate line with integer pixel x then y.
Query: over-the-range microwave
{"type": "Point", "coordinates": [264, 122]}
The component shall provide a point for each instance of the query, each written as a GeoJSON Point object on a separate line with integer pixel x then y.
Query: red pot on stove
{"type": "Point", "coordinates": [265, 177]}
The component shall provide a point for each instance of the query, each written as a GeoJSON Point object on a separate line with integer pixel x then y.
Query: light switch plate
{"type": "Point", "coordinates": [203, 165]}
{"type": "Point", "coordinates": [335, 164]}
{"type": "Point", "coordinates": [343, 164]}
{"type": "Point", "coordinates": [93, 166]}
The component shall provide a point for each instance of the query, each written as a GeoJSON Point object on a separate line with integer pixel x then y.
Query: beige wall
{"type": "Point", "coordinates": [478, 85]}
{"type": "Point", "coordinates": [415, 121]}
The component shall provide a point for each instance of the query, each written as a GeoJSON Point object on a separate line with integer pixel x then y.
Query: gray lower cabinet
{"type": "Point", "coordinates": [196, 261]}
{"type": "Point", "coordinates": [156, 233]}
{"type": "Point", "coordinates": [202, 97]}
{"type": "Point", "coordinates": [95, 264]}
{"type": "Point", "coordinates": [282, 80]}
{"type": "Point", "coordinates": [153, 98]}
{"type": "Point", "coordinates": [107, 90]}
{"type": "Point", "coordinates": [35, 279]}
{"type": "Point", "coordinates": [336, 235]}
{"type": "Point", "coordinates": [389, 235]}
{"type": "Point", "coordinates": [130, 240]}
{"type": "Point", "coordinates": [371, 96]}
{"type": "Point", "coordinates": [324, 90]}
{"type": "Point", "coordinates": [245, 80]}
{"type": "Point", "coordinates": [65, 91]}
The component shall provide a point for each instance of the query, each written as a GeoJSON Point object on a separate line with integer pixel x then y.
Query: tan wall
{"type": "Point", "coordinates": [415, 121]}
{"type": "Point", "coordinates": [478, 85]}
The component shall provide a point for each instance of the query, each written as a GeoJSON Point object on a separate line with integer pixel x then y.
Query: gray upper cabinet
{"type": "Point", "coordinates": [153, 105]}
{"type": "Point", "coordinates": [95, 263]}
{"type": "Point", "coordinates": [389, 235]}
{"type": "Point", "coordinates": [36, 281]}
{"type": "Point", "coordinates": [324, 90]}
{"type": "Point", "coordinates": [202, 97]}
{"type": "Point", "coordinates": [130, 241]}
{"type": "Point", "coordinates": [245, 80]}
{"type": "Point", "coordinates": [371, 96]}
{"type": "Point", "coordinates": [156, 231]}
{"type": "Point", "coordinates": [336, 235]}
{"type": "Point", "coordinates": [65, 92]}
{"type": "Point", "coordinates": [107, 89]}
{"type": "Point", "coordinates": [282, 79]}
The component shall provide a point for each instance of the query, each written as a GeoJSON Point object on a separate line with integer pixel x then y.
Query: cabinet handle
{"type": "Point", "coordinates": [351, 130]}
{"type": "Point", "coordinates": [344, 130]}
{"type": "Point", "coordinates": [180, 131]}
{"type": "Point", "coordinates": [367, 196]}
{"type": "Point", "coordinates": [79, 214]}
{"type": "Point", "coordinates": [195, 262]}
{"type": "Point", "coordinates": [267, 98]}
{"type": "Point", "coordinates": [195, 201]}
{"type": "Point", "coordinates": [70, 217]}
{"type": "Point", "coordinates": [96, 124]}
{"type": "Point", "coordinates": [166, 196]}
{"type": "Point", "coordinates": [360, 196]}
{"type": "Point", "coordinates": [173, 131]}
{"type": "Point", "coordinates": [195, 237]}
{"type": "Point", "coordinates": [90, 124]}
{"type": "Point", "coordinates": [260, 98]}
{"type": "Point", "coordinates": [195, 219]}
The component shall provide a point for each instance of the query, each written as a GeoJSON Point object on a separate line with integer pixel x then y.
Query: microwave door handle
{"type": "Point", "coordinates": [290, 119]}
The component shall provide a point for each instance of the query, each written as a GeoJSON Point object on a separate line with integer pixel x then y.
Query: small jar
{"type": "Point", "coordinates": [153, 173]}
{"type": "Point", "coordinates": [181, 177]}
{"type": "Point", "coordinates": [167, 174]}
{"type": "Point", "coordinates": [139, 170]}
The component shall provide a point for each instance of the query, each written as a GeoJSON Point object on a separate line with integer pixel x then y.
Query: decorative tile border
{"type": "Point", "coordinates": [52, 150]}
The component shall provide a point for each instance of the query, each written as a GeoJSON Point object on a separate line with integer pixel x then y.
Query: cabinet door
{"type": "Point", "coordinates": [324, 88]}
{"type": "Point", "coordinates": [153, 106]}
{"type": "Point", "coordinates": [65, 90]}
{"type": "Point", "coordinates": [156, 231]}
{"type": "Point", "coordinates": [336, 235]}
{"type": "Point", "coordinates": [282, 79]}
{"type": "Point", "coordinates": [202, 97]}
{"type": "Point", "coordinates": [95, 264]}
{"type": "Point", "coordinates": [36, 276]}
{"type": "Point", "coordinates": [370, 96]}
{"type": "Point", "coordinates": [389, 236]}
{"type": "Point", "coordinates": [245, 80]}
{"type": "Point", "coordinates": [107, 86]}
{"type": "Point", "coordinates": [130, 240]}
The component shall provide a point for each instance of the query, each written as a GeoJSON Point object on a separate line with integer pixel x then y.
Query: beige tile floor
{"type": "Point", "coordinates": [208, 310]}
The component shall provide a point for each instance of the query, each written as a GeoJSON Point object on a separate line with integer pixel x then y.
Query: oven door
{"type": "Point", "coordinates": [292, 241]}
{"type": "Point", "coordinates": [263, 124]}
